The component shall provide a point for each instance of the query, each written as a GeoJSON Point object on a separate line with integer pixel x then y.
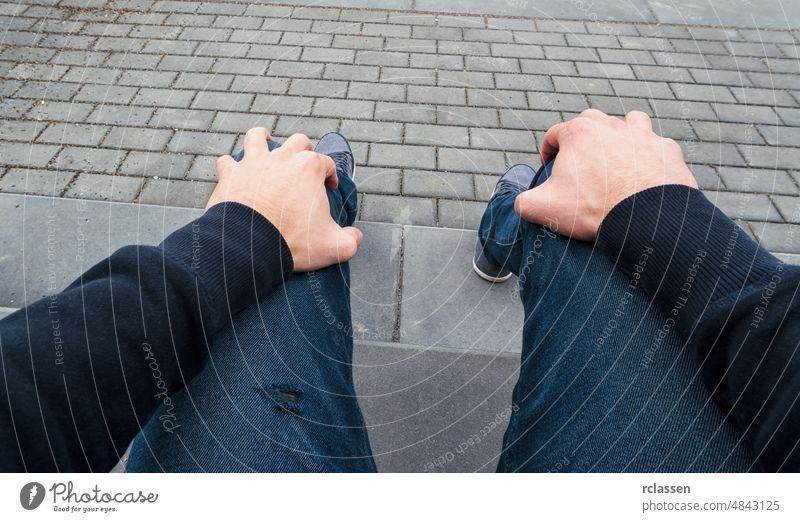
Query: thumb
{"type": "Point", "coordinates": [346, 241]}
{"type": "Point", "coordinates": [537, 204]}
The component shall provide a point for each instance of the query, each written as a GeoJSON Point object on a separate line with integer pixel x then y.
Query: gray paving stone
{"type": "Point", "coordinates": [156, 164]}
{"type": "Point", "coordinates": [470, 160]}
{"type": "Point", "coordinates": [182, 119]}
{"type": "Point", "coordinates": [105, 188]}
{"type": "Point", "coordinates": [437, 95]}
{"type": "Point", "coordinates": [757, 96]}
{"type": "Point", "coordinates": [771, 157]}
{"type": "Point", "coordinates": [384, 58]}
{"type": "Point", "coordinates": [436, 289]}
{"type": "Point", "coordinates": [682, 110]}
{"type": "Point", "coordinates": [311, 127]}
{"type": "Point", "coordinates": [35, 181]}
{"type": "Point", "coordinates": [73, 134]}
{"type": "Point", "coordinates": [729, 132]}
{"type": "Point", "coordinates": [744, 206]}
{"type": "Point", "coordinates": [378, 180]}
{"type": "Point", "coordinates": [746, 114]}
{"type": "Point", "coordinates": [182, 63]}
{"type": "Point", "coordinates": [27, 155]}
{"type": "Point", "coordinates": [577, 53]}
{"type": "Point", "coordinates": [355, 109]}
{"type": "Point", "coordinates": [395, 209]}
{"type": "Point", "coordinates": [767, 181]}
{"type": "Point", "coordinates": [368, 91]}
{"type": "Point", "coordinates": [523, 82]}
{"type": "Point", "coordinates": [203, 81]}
{"type": "Point", "coordinates": [529, 120]}
{"type": "Point", "coordinates": [405, 112]}
{"type": "Point", "coordinates": [268, 104]}
{"type": "Point", "coordinates": [643, 89]}
{"type": "Point", "coordinates": [790, 116]}
{"type": "Point", "coordinates": [237, 122]}
{"type": "Point", "coordinates": [222, 101]}
{"type": "Point", "coordinates": [372, 131]}
{"type": "Point", "coordinates": [605, 70]}
{"type": "Point", "coordinates": [465, 79]}
{"type": "Point", "coordinates": [19, 130]}
{"type": "Point", "coordinates": [707, 177]}
{"type": "Point", "coordinates": [260, 84]}
{"type": "Point", "coordinates": [408, 75]}
{"type": "Point", "coordinates": [428, 183]}
{"type": "Point", "coordinates": [497, 98]}
{"type": "Point", "coordinates": [176, 193]}
{"type": "Point", "coordinates": [204, 168]}
{"type": "Point", "coordinates": [37, 71]}
{"type": "Point", "coordinates": [502, 139]}
{"type": "Point", "coordinates": [202, 142]}
{"type": "Point", "coordinates": [437, 61]}
{"type": "Point", "coordinates": [467, 116]}
{"type": "Point", "coordinates": [158, 79]}
{"type": "Point", "coordinates": [364, 73]}
{"type": "Point", "coordinates": [582, 85]}
{"type": "Point", "coordinates": [460, 214]}
{"type": "Point", "coordinates": [164, 97]}
{"type": "Point", "coordinates": [778, 237]}
{"type": "Point", "coordinates": [328, 55]}
{"type": "Point", "coordinates": [437, 135]}
{"type": "Point", "coordinates": [780, 135]}
{"type": "Point", "coordinates": [296, 70]}
{"type": "Point", "coordinates": [411, 156]}
{"type": "Point", "coordinates": [789, 207]}
{"type": "Point", "coordinates": [492, 64]}
{"type": "Point", "coordinates": [120, 115]}
{"type": "Point", "coordinates": [89, 159]}
{"type": "Point", "coordinates": [137, 138]}
{"type": "Point", "coordinates": [712, 153]}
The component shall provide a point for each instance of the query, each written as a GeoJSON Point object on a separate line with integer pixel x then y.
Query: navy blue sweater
{"type": "Point", "coordinates": [83, 370]}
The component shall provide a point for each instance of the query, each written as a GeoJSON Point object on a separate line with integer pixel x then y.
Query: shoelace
{"type": "Point", "coordinates": [342, 161]}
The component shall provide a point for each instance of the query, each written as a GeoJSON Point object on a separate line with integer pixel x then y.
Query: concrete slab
{"type": "Point", "coordinates": [445, 304]}
{"type": "Point", "coordinates": [432, 410]}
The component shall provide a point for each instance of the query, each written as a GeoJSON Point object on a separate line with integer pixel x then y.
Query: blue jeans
{"type": "Point", "coordinates": [277, 392]}
{"type": "Point", "coordinates": [604, 384]}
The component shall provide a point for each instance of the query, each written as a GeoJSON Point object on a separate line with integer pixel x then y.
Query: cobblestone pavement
{"type": "Point", "coordinates": [131, 100]}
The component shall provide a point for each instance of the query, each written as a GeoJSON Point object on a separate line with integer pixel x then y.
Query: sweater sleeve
{"type": "Point", "coordinates": [735, 303]}
{"type": "Point", "coordinates": [83, 370]}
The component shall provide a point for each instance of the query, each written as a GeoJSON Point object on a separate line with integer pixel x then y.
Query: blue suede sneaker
{"type": "Point", "coordinates": [517, 179]}
{"type": "Point", "coordinates": [338, 148]}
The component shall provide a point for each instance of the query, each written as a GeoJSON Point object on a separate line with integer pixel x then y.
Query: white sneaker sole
{"type": "Point", "coordinates": [487, 277]}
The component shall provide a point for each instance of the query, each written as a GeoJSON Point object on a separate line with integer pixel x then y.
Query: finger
{"type": "Point", "coordinates": [297, 143]}
{"type": "Point", "coordinates": [639, 119]}
{"type": "Point", "coordinates": [550, 142]}
{"type": "Point", "coordinates": [535, 205]}
{"type": "Point", "coordinates": [345, 243]}
{"type": "Point", "coordinates": [224, 165]}
{"type": "Point", "coordinates": [594, 114]}
{"type": "Point", "coordinates": [255, 142]}
{"type": "Point", "coordinates": [331, 177]}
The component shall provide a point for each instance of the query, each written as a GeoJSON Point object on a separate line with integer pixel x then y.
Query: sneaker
{"type": "Point", "coordinates": [517, 179]}
{"type": "Point", "coordinates": [338, 148]}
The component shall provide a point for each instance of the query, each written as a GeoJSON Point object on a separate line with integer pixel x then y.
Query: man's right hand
{"type": "Point", "coordinates": [601, 161]}
{"type": "Point", "coordinates": [287, 186]}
